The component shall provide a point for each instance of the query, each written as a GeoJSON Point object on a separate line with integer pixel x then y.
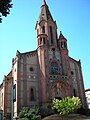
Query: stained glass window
{"type": "Point", "coordinates": [55, 68]}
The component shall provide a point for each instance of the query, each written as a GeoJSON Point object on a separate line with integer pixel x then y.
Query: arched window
{"type": "Point", "coordinates": [63, 45]}
{"type": "Point", "coordinates": [43, 29]}
{"type": "Point", "coordinates": [43, 40]}
{"type": "Point", "coordinates": [32, 94]}
{"type": "Point", "coordinates": [74, 93]}
{"type": "Point", "coordinates": [51, 34]}
{"type": "Point", "coordinates": [55, 68]}
{"type": "Point", "coordinates": [14, 92]}
{"type": "Point", "coordinates": [40, 40]}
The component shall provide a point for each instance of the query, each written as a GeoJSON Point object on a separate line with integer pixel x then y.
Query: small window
{"type": "Point", "coordinates": [72, 73]}
{"type": "Point", "coordinates": [53, 49]}
{"type": "Point", "coordinates": [62, 45]}
{"type": "Point", "coordinates": [31, 69]}
{"type": "Point", "coordinates": [51, 34]}
{"type": "Point", "coordinates": [65, 45]}
{"type": "Point", "coordinates": [32, 94]}
{"type": "Point", "coordinates": [40, 40]}
{"type": "Point", "coordinates": [43, 40]}
{"type": "Point", "coordinates": [74, 91]}
{"type": "Point", "coordinates": [43, 29]}
{"type": "Point", "coordinates": [14, 92]}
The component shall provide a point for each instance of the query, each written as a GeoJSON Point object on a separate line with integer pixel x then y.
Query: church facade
{"type": "Point", "coordinates": [48, 72]}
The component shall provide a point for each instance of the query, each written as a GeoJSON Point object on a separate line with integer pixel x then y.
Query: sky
{"type": "Point", "coordinates": [17, 31]}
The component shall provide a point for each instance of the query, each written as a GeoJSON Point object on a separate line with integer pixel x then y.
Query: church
{"type": "Point", "coordinates": [39, 76]}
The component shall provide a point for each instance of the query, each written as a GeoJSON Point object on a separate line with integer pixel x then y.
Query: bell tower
{"type": "Point", "coordinates": [46, 38]}
{"type": "Point", "coordinates": [46, 28]}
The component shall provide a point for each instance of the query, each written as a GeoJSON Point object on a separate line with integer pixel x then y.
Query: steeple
{"type": "Point", "coordinates": [46, 28]}
{"type": "Point", "coordinates": [45, 13]}
{"type": "Point", "coordinates": [44, 2]}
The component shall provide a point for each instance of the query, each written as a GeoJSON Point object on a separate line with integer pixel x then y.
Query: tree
{"type": "Point", "coordinates": [5, 6]}
{"type": "Point", "coordinates": [66, 105]}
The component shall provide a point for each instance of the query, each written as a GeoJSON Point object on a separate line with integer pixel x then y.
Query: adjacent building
{"type": "Point", "coordinates": [87, 93]}
{"type": "Point", "coordinates": [43, 74]}
{"type": "Point", "coordinates": [5, 97]}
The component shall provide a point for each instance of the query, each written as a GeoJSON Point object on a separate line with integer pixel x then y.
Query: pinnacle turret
{"type": "Point", "coordinates": [62, 36]}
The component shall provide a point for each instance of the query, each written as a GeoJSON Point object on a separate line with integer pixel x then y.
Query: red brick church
{"type": "Point", "coordinates": [43, 74]}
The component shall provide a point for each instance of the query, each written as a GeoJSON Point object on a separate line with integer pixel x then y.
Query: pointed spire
{"type": "Point", "coordinates": [62, 36]}
{"type": "Point", "coordinates": [45, 13]}
{"type": "Point", "coordinates": [44, 2]}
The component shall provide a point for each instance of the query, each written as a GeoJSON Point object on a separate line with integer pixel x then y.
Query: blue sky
{"type": "Point", "coordinates": [17, 31]}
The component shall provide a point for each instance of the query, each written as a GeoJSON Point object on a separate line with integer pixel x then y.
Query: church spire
{"type": "Point", "coordinates": [44, 2]}
{"type": "Point", "coordinates": [45, 13]}
{"type": "Point", "coordinates": [46, 28]}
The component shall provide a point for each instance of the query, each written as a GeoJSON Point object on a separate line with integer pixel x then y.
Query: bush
{"type": "Point", "coordinates": [29, 114]}
{"type": "Point", "coordinates": [23, 113]}
{"type": "Point", "coordinates": [66, 105]}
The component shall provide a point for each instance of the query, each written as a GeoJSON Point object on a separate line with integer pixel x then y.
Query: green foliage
{"type": "Point", "coordinates": [5, 6]}
{"type": "Point", "coordinates": [29, 114]}
{"type": "Point", "coordinates": [66, 105]}
{"type": "Point", "coordinates": [23, 113]}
